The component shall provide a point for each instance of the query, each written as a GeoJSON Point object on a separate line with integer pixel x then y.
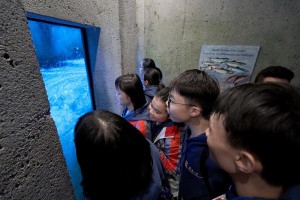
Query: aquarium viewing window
{"type": "Point", "coordinates": [65, 65]}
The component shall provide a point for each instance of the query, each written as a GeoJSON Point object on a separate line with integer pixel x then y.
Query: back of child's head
{"type": "Point", "coordinates": [149, 63]}
{"type": "Point", "coordinates": [111, 154]}
{"type": "Point", "coordinates": [132, 86]}
{"type": "Point", "coordinates": [153, 77]}
{"type": "Point", "coordinates": [197, 87]}
{"type": "Point", "coordinates": [265, 120]}
{"type": "Point", "coordinates": [275, 72]}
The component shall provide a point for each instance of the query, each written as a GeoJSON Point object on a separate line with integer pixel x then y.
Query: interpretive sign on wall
{"type": "Point", "coordinates": [231, 65]}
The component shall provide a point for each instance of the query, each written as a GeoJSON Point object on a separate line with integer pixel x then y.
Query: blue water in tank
{"type": "Point", "coordinates": [60, 52]}
{"type": "Point", "coordinates": [69, 97]}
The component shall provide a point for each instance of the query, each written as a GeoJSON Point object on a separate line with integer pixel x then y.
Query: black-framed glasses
{"type": "Point", "coordinates": [170, 101]}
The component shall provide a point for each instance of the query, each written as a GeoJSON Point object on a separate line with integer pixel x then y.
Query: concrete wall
{"type": "Point", "coordinates": [172, 32]}
{"type": "Point", "coordinates": [32, 165]}
{"type": "Point", "coordinates": [128, 34]}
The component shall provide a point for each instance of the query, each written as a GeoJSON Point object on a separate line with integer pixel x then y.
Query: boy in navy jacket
{"type": "Point", "coordinates": [190, 101]}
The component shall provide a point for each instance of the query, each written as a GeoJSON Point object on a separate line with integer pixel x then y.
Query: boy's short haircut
{"type": "Point", "coordinates": [198, 88]}
{"type": "Point", "coordinates": [275, 72]}
{"type": "Point", "coordinates": [265, 120]}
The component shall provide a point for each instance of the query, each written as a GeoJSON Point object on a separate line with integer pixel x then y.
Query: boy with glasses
{"type": "Point", "coordinates": [190, 101]}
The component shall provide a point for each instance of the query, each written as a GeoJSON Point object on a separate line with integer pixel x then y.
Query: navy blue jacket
{"type": "Point", "coordinates": [292, 193]}
{"type": "Point", "coordinates": [138, 114]}
{"type": "Point", "coordinates": [150, 92]}
{"type": "Point", "coordinates": [192, 183]}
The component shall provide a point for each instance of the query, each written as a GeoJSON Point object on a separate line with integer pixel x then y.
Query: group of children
{"type": "Point", "coordinates": [211, 146]}
{"type": "Point", "coordinates": [175, 120]}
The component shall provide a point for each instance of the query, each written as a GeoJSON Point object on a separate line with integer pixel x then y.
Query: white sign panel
{"type": "Point", "coordinates": [231, 65]}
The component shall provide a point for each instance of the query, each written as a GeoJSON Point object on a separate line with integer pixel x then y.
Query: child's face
{"type": "Point", "coordinates": [178, 108]}
{"type": "Point", "coordinates": [158, 110]}
{"type": "Point", "coordinates": [123, 98]}
{"type": "Point", "coordinates": [220, 150]}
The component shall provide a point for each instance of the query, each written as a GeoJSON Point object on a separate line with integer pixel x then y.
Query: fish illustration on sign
{"type": "Point", "coordinates": [231, 65]}
{"type": "Point", "coordinates": [224, 66]}
{"type": "Point", "coordinates": [236, 79]}
{"type": "Point", "coordinates": [210, 67]}
{"type": "Point", "coordinates": [223, 70]}
{"type": "Point", "coordinates": [237, 69]}
{"type": "Point", "coordinates": [234, 63]}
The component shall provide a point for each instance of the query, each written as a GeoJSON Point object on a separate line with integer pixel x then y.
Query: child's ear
{"type": "Point", "coordinates": [247, 163]}
{"type": "Point", "coordinates": [146, 82]}
{"type": "Point", "coordinates": [195, 111]}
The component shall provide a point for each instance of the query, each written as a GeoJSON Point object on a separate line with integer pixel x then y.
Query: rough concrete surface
{"type": "Point", "coordinates": [32, 165]}
{"type": "Point", "coordinates": [174, 31]}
